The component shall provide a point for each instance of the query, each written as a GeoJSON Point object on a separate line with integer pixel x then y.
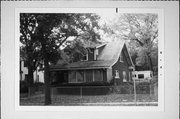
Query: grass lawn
{"type": "Point", "coordinates": [111, 99]}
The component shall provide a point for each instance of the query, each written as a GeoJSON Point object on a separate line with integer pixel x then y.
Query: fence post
{"type": "Point", "coordinates": [134, 91]}
{"type": "Point", "coordinates": [81, 92]}
{"type": "Point", "coordinates": [150, 88]}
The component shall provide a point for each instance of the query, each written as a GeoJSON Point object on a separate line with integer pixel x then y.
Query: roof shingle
{"type": "Point", "coordinates": [106, 58]}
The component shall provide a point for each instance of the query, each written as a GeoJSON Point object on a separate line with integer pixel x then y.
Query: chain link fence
{"type": "Point", "coordinates": [105, 94]}
{"type": "Point", "coordinates": [144, 94]}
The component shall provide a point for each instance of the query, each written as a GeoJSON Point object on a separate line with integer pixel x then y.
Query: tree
{"type": "Point", "coordinates": [52, 32]}
{"type": "Point", "coordinates": [141, 32]}
{"type": "Point", "coordinates": [144, 30]}
{"type": "Point", "coordinates": [68, 25]}
{"type": "Point", "coordinates": [28, 48]}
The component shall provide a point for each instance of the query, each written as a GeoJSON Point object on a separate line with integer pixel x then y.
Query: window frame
{"type": "Point", "coordinates": [117, 76]}
{"type": "Point", "coordinates": [124, 76]}
{"type": "Point", "coordinates": [86, 57]}
{"type": "Point", "coordinates": [70, 81]}
{"type": "Point", "coordinates": [96, 73]}
{"type": "Point", "coordinates": [77, 76]}
{"type": "Point", "coordinates": [139, 76]}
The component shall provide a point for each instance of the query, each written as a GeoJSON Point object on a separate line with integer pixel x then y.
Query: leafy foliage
{"type": "Point", "coordinates": [44, 35]}
{"type": "Point", "coordinates": [141, 33]}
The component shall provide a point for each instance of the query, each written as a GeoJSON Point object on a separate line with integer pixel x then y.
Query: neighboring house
{"type": "Point", "coordinates": [38, 74]}
{"type": "Point", "coordinates": [142, 76]}
{"type": "Point", "coordinates": [109, 62]}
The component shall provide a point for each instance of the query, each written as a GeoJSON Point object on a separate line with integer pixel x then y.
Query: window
{"type": "Point", "coordinates": [140, 76]}
{"type": "Point", "coordinates": [79, 76]}
{"type": "Point", "coordinates": [121, 57]}
{"type": "Point", "coordinates": [89, 76]}
{"type": "Point", "coordinates": [116, 74]}
{"type": "Point", "coordinates": [124, 77]}
{"type": "Point", "coordinates": [76, 76]}
{"type": "Point", "coordinates": [151, 75]}
{"type": "Point", "coordinates": [72, 76]}
{"type": "Point", "coordinates": [53, 75]}
{"type": "Point", "coordinates": [98, 75]}
{"type": "Point", "coordinates": [85, 57]}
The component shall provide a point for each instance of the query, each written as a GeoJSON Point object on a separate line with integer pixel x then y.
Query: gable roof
{"type": "Point", "coordinates": [108, 57]}
{"type": "Point", "coordinates": [112, 50]}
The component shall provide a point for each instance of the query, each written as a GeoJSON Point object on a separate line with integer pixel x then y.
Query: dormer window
{"type": "Point", "coordinates": [121, 57]}
{"type": "Point", "coordinates": [85, 57]}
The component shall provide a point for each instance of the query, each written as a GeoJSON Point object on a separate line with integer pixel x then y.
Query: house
{"type": "Point", "coordinates": [110, 62]}
{"type": "Point", "coordinates": [142, 76]}
{"type": "Point", "coordinates": [38, 74]}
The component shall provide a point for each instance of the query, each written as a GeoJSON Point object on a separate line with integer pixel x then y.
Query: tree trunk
{"type": "Point", "coordinates": [30, 74]}
{"type": "Point", "coordinates": [46, 72]}
{"type": "Point", "coordinates": [47, 82]}
{"type": "Point", "coordinates": [150, 63]}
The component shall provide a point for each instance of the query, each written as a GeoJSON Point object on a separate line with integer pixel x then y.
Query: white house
{"type": "Point", "coordinates": [38, 74]}
{"type": "Point", "coordinates": [142, 76]}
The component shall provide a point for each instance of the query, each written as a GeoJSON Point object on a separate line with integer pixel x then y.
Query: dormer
{"type": "Point", "coordinates": [93, 53]}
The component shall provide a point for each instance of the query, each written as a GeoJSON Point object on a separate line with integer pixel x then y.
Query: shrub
{"type": "Point", "coordinates": [37, 84]}
{"type": "Point", "coordinates": [97, 83]}
{"type": "Point", "coordinates": [75, 88]}
{"type": "Point", "coordinates": [23, 87]}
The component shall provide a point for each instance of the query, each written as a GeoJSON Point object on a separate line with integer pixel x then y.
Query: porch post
{"type": "Point", "coordinates": [84, 75]}
{"type": "Point", "coordinates": [93, 75]}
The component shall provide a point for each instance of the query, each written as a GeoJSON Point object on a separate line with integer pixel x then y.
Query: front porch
{"type": "Point", "coordinates": [78, 76]}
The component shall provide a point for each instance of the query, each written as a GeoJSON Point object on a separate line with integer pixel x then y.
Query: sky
{"type": "Point", "coordinates": [107, 17]}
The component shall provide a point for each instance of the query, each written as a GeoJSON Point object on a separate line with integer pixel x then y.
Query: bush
{"type": "Point", "coordinates": [143, 88]}
{"type": "Point", "coordinates": [37, 84]}
{"type": "Point", "coordinates": [78, 88]}
{"type": "Point", "coordinates": [97, 83]}
{"type": "Point", "coordinates": [23, 87]}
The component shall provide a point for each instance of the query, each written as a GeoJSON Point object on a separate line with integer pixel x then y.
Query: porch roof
{"type": "Point", "coordinates": [83, 65]}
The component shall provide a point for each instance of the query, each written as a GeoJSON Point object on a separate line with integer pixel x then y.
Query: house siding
{"type": "Point", "coordinates": [121, 66]}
